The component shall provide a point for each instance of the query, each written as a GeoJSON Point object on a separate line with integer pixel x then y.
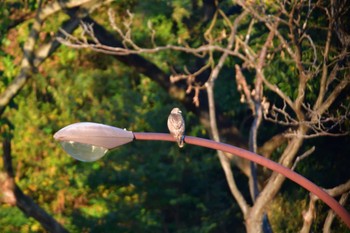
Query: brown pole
{"type": "Point", "coordinates": [300, 180]}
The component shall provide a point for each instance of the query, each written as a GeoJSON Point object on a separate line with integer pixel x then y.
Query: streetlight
{"type": "Point", "coordinates": [89, 142]}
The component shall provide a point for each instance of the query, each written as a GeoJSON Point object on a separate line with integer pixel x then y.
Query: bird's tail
{"type": "Point", "coordinates": [181, 141]}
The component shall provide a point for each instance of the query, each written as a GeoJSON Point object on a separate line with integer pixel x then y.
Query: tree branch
{"type": "Point", "coordinates": [309, 215]}
{"type": "Point", "coordinates": [303, 156]}
{"type": "Point", "coordinates": [271, 145]}
{"type": "Point", "coordinates": [274, 184]}
{"type": "Point", "coordinates": [14, 195]}
{"type": "Point", "coordinates": [335, 93]}
{"type": "Point", "coordinates": [330, 216]}
{"type": "Point", "coordinates": [224, 160]}
{"type": "Point", "coordinates": [343, 190]}
{"type": "Point", "coordinates": [323, 82]}
{"type": "Point", "coordinates": [33, 58]}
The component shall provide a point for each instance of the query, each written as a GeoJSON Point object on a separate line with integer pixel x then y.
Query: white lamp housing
{"type": "Point", "coordinates": [87, 141]}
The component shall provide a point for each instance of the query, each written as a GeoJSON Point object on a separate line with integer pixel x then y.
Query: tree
{"type": "Point", "coordinates": [290, 61]}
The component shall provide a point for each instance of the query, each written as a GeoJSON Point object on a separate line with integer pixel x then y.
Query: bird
{"type": "Point", "coordinates": [176, 126]}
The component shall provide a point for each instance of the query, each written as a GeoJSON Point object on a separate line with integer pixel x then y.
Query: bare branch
{"type": "Point", "coordinates": [275, 115]}
{"type": "Point", "coordinates": [191, 77]}
{"type": "Point", "coordinates": [229, 46]}
{"type": "Point", "coordinates": [323, 82]}
{"type": "Point", "coordinates": [309, 215]}
{"type": "Point", "coordinates": [303, 156]}
{"type": "Point", "coordinates": [329, 219]}
{"type": "Point", "coordinates": [126, 36]}
{"type": "Point", "coordinates": [224, 160]}
{"type": "Point", "coordinates": [319, 125]}
{"type": "Point", "coordinates": [196, 96]}
{"type": "Point", "coordinates": [339, 190]}
{"type": "Point", "coordinates": [250, 28]}
{"type": "Point", "coordinates": [243, 87]}
{"type": "Point", "coordinates": [335, 93]}
{"type": "Point", "coordinates": [343, 189]}
{"type": "Point", "coordinates": [279, 92]}
{"type": "Point", "coordinates": [316, 135]}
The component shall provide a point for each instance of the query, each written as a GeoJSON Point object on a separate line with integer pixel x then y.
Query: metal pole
{"type": "Point", "coordinates": [300, 180]}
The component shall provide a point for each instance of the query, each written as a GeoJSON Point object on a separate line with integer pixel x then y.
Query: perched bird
{"type": "Point", "coordinates": [176, 126]}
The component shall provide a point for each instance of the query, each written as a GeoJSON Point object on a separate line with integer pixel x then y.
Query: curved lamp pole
{"type": "Point", "coordinates": [89, 142]}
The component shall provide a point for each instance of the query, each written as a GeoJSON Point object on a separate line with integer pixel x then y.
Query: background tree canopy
{"type": "Point", "coordinates": [269, 76]}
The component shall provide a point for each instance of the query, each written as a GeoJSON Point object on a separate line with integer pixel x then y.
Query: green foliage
{"type": "Point", "coordinates": [148, 186]}
{"type": "Point", "coordinates": [15, 220]}
{"type": "Point", "coordinates": [286, 215]}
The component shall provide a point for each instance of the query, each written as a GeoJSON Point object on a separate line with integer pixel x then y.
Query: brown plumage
{"type": "Point", "coordinates": [176, 126]}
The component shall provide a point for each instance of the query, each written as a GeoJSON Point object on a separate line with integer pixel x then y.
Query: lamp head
{"type": "Point", "coordinates": [87, 141]}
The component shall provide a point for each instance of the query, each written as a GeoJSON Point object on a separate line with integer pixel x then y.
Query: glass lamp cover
{"type": "Point", "coordinates": [88, 141]}
{"type": "Point", "coordinates": [83, 152]}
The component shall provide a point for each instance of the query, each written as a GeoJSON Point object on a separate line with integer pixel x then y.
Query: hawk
{"type": "Point", "coordinates": [176, 126]}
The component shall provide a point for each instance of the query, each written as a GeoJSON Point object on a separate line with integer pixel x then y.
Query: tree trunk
{"type": "Point", "coordinates": [254, 219]}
